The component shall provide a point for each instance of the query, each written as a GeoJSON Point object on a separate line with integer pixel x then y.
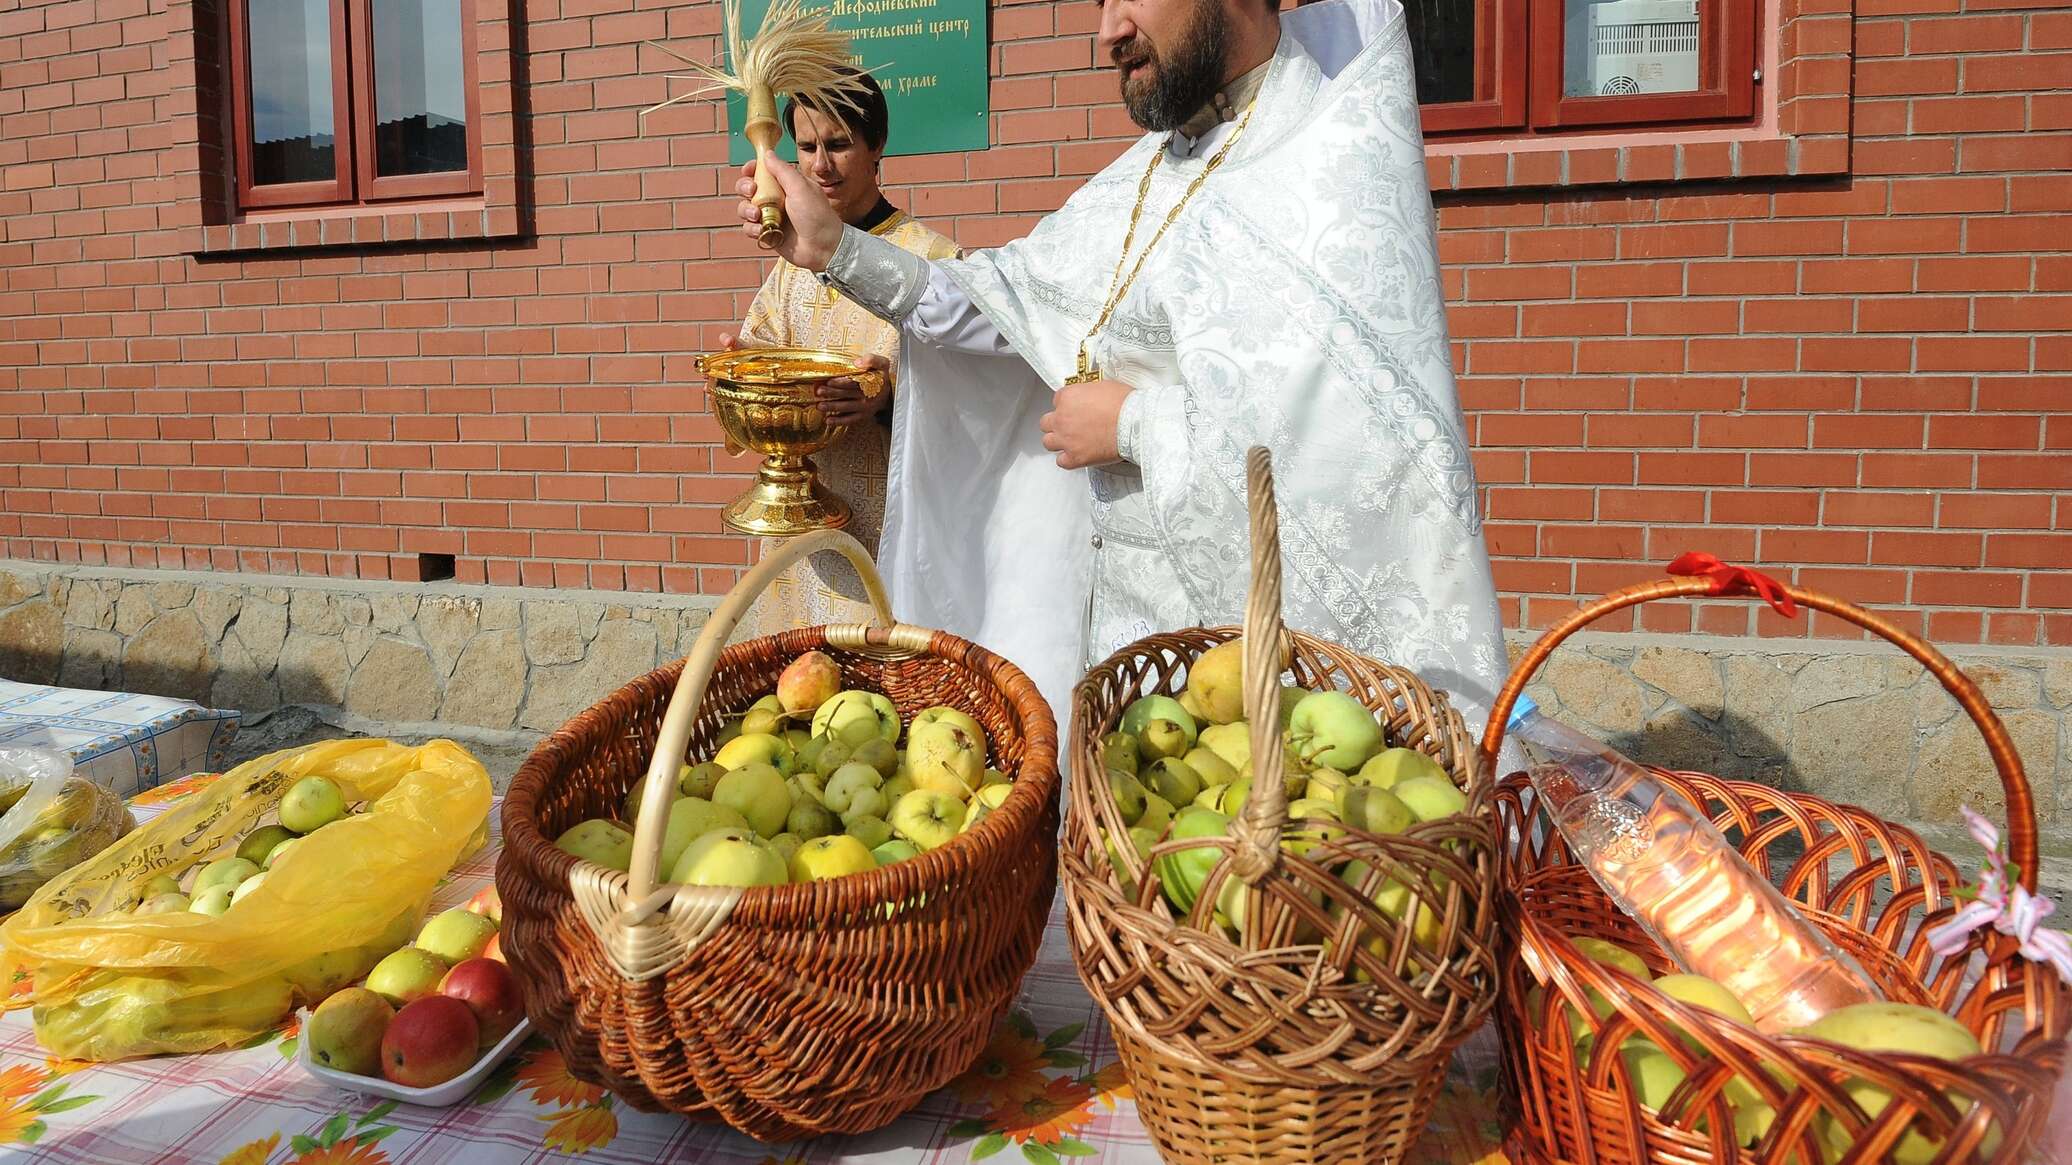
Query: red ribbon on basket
{"type": "Point", "coordinates": [1735, 580]}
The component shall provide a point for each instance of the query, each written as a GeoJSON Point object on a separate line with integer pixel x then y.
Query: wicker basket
{"type": "Point", "coordinates": [1872, 886]}
{"type": "Point", "coordinates": [787, 1011]}
{"type": "Point", "coordinates": [1320, 1038]}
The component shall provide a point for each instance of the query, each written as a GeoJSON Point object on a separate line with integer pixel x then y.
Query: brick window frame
{"type": "Point", "coordinates": [1800, 129]}
{"type": "Point", "coordinates": [204, 214]}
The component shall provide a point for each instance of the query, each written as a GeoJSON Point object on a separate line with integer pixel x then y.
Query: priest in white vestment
{"type": "Point", "coordinates": [1068, 462]}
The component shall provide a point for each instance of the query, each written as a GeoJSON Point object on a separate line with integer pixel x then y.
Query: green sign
{"type": "Point", "coordinates": [929, 56]}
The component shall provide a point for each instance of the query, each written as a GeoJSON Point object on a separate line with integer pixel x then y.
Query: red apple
{"type": "Point", "coordinates": [488, 989]}
{"type": "Point", "coordinates": [486, 901]}
{"type": "Point", "coordinates": [430, 1042]}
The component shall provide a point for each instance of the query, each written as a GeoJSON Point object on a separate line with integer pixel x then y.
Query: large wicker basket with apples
{"type": "Point", "coordinates": [1280, 896]}
{"type": "Point", "coordinates": [1612, 1055]}
{"type": "Point", "coordinates": [729, 893]}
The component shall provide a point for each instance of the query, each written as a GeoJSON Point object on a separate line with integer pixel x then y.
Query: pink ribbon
{"type": "Point", "coordinates": [2007, 907]}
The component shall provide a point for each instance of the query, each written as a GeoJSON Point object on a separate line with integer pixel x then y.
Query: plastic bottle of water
{"type": "Point", "coordinates": [1665, 864]}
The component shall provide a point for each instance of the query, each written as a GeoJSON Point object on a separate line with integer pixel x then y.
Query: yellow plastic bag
{"type": "Point", "coordinates": [107, 984]}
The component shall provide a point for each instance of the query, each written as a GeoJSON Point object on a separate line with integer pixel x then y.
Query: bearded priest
{"type": "Point", "coordinates": [1068, 462]}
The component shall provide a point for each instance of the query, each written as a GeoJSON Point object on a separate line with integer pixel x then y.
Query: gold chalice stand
{"type": "Point", "coordinates": [766, 401]}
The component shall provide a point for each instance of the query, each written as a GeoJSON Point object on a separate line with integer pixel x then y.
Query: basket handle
{"type": "Point", "coordinates": [1257, 830]}
{"type": "Point", "coordinates": [2021, 803]}
{"type": "Point", "coordinates": [697, 673]}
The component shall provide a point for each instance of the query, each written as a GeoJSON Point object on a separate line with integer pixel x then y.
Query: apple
{"type": "Point", "coordinates": [830, 857]}
{"type": "Point", "coordinates": [756, 748]}
{"type": "Point", "coordinates": [1181, 874]}
{"type": "Point", "coordinates": [808, 682]}
{"type": "Point", "coordinates": [261, 841]}
{"type": "Point", "coordinates": [495, 949]}
{"type": "Point", "coordinates": [1119, 753]}
{"type": "Point", "coordinates": [174, 902]}
{"type": "Point", "coordinates": [855, 716]}
{"type": "Point", "coordinates": [786, 844]}
{"type": "Point", "coordinates": [1233, 743]}
{"type": "Point", "coordinates": [810, 819]}
{"type": "Point", "coordinates": [1331, 728]}
{"type": "Point", "coordinates": [161, 884]}
{"type": "Point", "coordinates": [1173, 780]}
{"type": "Point", "coordinates": [1894, 1027]}
{"type": "Point", "coordinates": [1212, 769]}
{"type": "Point", "coordinates": [1698, 991]}
{"type": "Point", "coordinates": [898, 787]}
{"type": "Point", "coordinates": [1374, 810]}
{"type": "Point", "coordinates": [319, 975]}
{"type": "Point", "coordinates": [1145, 709]}
{"type": "Point", "coordinates": [344, 1033]}
{"type": "Point", "coordinates": [946, 759]}
{"type": "Point", "coordinates": [1158, 813]}
{"type": "Point", "coordinates": [1217, 682]}
{"type": "Point", "coordinates": [879, 754]}
{"type": "Point", "coordinates": [600, 842]}
{"type": "Point", "coordinates": [730, 857]}
{"type": "Point", "coordinates": [488, 903]}
{"type": "Point", "coordinates": [1290, 696]}
{"type": "Point", "coordinates": [456, 935]}
{"type": "Point", "coordinates": [1129, 794]}
{"type": "Point", "coordinates": [993, 777]}
{"type": "Point", "coordinates": [943, 712]}
{"type": "Point", "coordinates": [758, 793]}
{"type": "Point", "coordinates": [638, 795]}
{"type": "Point", "coordinates": [993, 796]}
{"type": "Point", "coordinates": [928, 818]}
{"type": "Point", "coordinates": [698, 780]}
{"type": "Point", "coordinates": [246, 887]}
{"type": "Point", "coordinates": [490, 991]}
{"type": "Point", "coordinates": [430, 1041]}
{"type": "Point", "coordinates": [690, 818]}
{"type": "Point", "coordinates": [898, 849]}
{"type": "Point", "coordinates": [406, 974]}
{"type": "Point", "coordinates": [276, 853]}
{"type": "Point", "coordinates": [224, 872]}
{"type": "Point", "coordinates": [214, 900]}
{"type": "Point", "coordinates": [1430, 798]}
{"type": "Point", "coordinates": [856, 790]}
{"type": "Point", "coordinates": [870, 830]}
{"type": "Point", "coordinates": [311, 804]}
{"type": "Point", "coordinates": [1392, 766]}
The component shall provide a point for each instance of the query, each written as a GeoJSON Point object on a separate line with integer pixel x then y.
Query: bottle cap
{"type": "Point", "coordinates": [1525, 706]}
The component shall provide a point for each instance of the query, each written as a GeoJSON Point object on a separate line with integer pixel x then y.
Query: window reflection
{"type": "Point", "coordinates": [292, 115]}
{"type": "Point", "coordinates": [420, 103]}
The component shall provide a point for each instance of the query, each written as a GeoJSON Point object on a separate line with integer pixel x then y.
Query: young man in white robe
{"type": "Point", "coordinates": [1260, 269]}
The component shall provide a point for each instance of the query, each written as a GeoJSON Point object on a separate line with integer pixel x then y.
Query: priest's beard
{"type": "Point", "coordinates": [1171, 86]}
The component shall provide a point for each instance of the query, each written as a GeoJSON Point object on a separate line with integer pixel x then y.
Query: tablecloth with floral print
{"type": "Point", "coordinates": [1047, 1089]}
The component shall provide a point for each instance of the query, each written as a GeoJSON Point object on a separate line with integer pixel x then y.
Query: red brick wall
{"type": "Point", "coordinates": [1857, 381]}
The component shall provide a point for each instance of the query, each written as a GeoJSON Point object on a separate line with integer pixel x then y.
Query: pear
{"type": "Point", "coordinates": [1158, 813]}
{"type": "Point", "coordinates": [1129, 796]}
{"type": "Point", "coordinates": [1392, 766]}
{"type": "Point", "coordinates": [1217, 682]}
{"type": "Point", "coordinates": [1233, 743]}
{"type": "Point", "coordinates": [1374, 810]}
{"type": "Point", "coordinates": [1895, 1027]}
{"type": "Point", "coordinates": [699, 780]}
{"type": "Point", "coordinates": [1173, 780]}
{"type": "Point", "coordinates": [1119, 753]}
{"type": "Point", "coordinates": [1164, 739]}
{"type": "Point", "coordinates": [1212, 769]}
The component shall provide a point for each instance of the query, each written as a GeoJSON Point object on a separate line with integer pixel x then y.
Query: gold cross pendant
{"type": "Point", "coordinates": [1087, 372]}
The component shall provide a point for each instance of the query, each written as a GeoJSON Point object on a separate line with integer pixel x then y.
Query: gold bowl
{"type": "Point", "coordinates": [766, 401]}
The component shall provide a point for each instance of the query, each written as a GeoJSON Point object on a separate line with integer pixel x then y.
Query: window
{"type": "Point", "coordinates": [1538, 66]}
{"type": "Point", "coordinates": [339, 102]}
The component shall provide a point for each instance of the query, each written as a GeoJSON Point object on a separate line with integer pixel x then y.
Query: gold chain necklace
{"type": "Point", "coordinates": [1117, 285]}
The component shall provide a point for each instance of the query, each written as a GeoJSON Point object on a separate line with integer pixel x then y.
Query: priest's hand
{"type": "Point", "coordinates": [1080, 428]}
{"type": "Point", "coordinates": [812, 229]}
{"type": "Point", "coordinates": [842, 399]}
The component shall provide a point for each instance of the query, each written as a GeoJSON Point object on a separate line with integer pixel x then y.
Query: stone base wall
{"type": "Point", "coordinates": [1855, 722]}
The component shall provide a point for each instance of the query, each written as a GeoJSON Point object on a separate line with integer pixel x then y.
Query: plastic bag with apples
{"type": "Point", "coordinates": [108, 981]}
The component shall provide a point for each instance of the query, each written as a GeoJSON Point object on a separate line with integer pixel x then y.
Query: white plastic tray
{"type": "Point", "coordinates": [437, 1096]}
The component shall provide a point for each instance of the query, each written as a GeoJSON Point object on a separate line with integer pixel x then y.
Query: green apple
{"type": "Point", "coordinates": [260, 842]}
{"type": "Point", "coordinates": [928, 818]}
{"type": "Point", "coordinates": [689, 819]}
{"type": "Point", "coordinates": [879, 754]}
{"type": "Point", "coordinates": [1392, 766]}
{"type": "Point", "coordinates": [214, 900]}
{"type": "Point", "coordinates": [871, 831]}
{"type": "Point", "coordinates": [807, 785]}
{"type": "Point", "coordinates": [856, 790]}
{"type": "Point", "coordinates": [311, 804]}
{"type": "Point", "coordinates": [600, 842]}
{"type": "Point", "coordinates": [457, 935]}
{"type": "Point", "coordinates": [855, 716]}
{"type": "Point", "coordinates": [246, 887]}
{"type": "Point", "coordinates": [944, 758]}
{"type": "Point", "coordinates": [756, 748]}
{"type": "Point", "coordinates": [758, 793]}
{"type": "Point", "coordinates": [730, 857]}
{"type": "Point", "coordinates": [898, 849]}
{"type": "Point", "coordinates": [1119, 753]}
{"type": "Point", "coordinates": [1232, 743]}
{"type": "Point", "coordinates": [1698, 991]}
{"type": "Point", "coordinates": [1129, 794]}
{"type": "Point", "coordinates": [830, 857]}
{"type": "Point", "coordinates": [161, 884]}
{"type": "Point", "coordinates": [1173, 780]}
{"type": "Point", "coordinates": [1212, 769]}
{"type": "Point", "coordinates": [174, 902]}
{"type": "Point", "coordinates": [1430, 798]}
{"type": "Point", "coordinates": [1145, 709]}
{"type": "Point", "coordinates": [1374, 810]}
{"type": "Point", "coordinates": [810, 819]}
{"type": "Point", "coordinates": [1290, 696]}
{"type": "Point", "coordinates": [1331, 728]}
{"type": "Point", "coordinates": [225, 872]}
{"type": "Point", "coordinates": [1894, 1027]}
{"type": "Point", "coordinates": [1181, 874]}
{"type": "Point", "coordinates": [941, 712]}
{"type": "Point", "coordinates": [407, 975]}
{"type": "Point", "coordinates": [274, 855]}
{"type": "Point", "coordinates": [699, 780]}
{"type": "Point", "coordinates": [1216, 681]}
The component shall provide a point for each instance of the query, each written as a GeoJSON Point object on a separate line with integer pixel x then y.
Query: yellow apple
{"type": "Point", "coordinates": [1216, 681]}
{"type": "Point", "coordinates": [830, 857]}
